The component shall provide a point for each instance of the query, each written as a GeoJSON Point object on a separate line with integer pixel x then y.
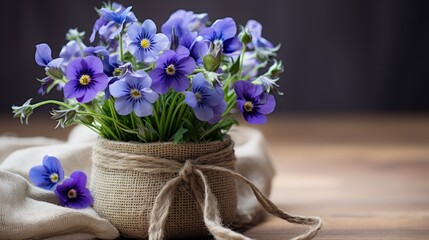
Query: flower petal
{"type": "Point", "coordinates": [161, 42]}
{"type": "Point", "coordinates": [56, 63]}
{"type": "Point", "coordinates": [143, 108]}
{"type": "Point", "coordinates": [88, 96]}
{"type": "Point", "coordinates": [123, 107]}
{"type": "Point", "coordinates": [149, 95]}
{"type": "Point", "coordinates": [119, 88]}
{"type": "Point", "coordinates": [208, 34]}
{"type": "Point", "coordinates": [149, 27]}
{"type": "Point", "coordinates": [94, 63]}
{"type": "Point", "coordinates": [186, 65]}
{"type": "Point", "coordinates": [71, 90]}
{"type": "Point", "coordinates": [74, 68]}
{"type": "Point", "coordinates": [241, 87]}
{"type": "Point", "coordinates": [232, 45]}
{"type": "Point", "coordinates": [225, 27]}
{"type": "Point", "coordinates": [79, 178]}
{"type": "Point", "coordinates": [43, 54]}
{"type": "Point", "coordinates": [164, 58]}
{"type": "Point", "coordinates": [101, 80]}
{"type": "Point", "coordinates": [190, 99]}
{"type": "Point", "coordinates": [203, 112]}
{"type": "Point", "coordinates": [53, 165]}
{"type": "Point", "coordinates": [269, 105]}
{"type": "Point", "coordinates": [180, 83]}
{"type": "Point", "coordinates": [134, 31]}
{"type": "Point", "coordinates": [39, 176]}
{"type": "Point", "coordinates": [255, 118]}
{"type": "Point", "coordinates": [182, 52]}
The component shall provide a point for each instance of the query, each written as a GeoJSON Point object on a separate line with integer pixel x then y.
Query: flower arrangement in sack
{"type": "Point", "coordinates": [162, 100]}
{"type": "Point", "coordinates": [180, 82]}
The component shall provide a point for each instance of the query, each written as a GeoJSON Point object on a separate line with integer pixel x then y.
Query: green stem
{"type": "Point", "coordinates": [52, 102]}
{"type": "Point", "coordinates": [243, 50]}
{"type": "Point", "coordinates": [198, 70]}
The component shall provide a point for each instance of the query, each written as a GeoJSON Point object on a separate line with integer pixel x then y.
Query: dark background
{"type": "Point", "coordinates": [340, 56]}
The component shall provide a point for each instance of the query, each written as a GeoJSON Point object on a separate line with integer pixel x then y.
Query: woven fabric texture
{"type": "Point", "coordinates": [124, 193]}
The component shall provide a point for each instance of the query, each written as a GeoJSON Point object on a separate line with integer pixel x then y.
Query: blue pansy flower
{"type": "Point", "coordinates": [145, 43]}
{"type": "Point", "coordinates": [184, 21]}
{"type": "Point", "coordinates": [253, 102]}
{"type": "Point", "coordinates": [73, 193]}
{"type": "Point", "coordinates": [133, 94]}
{"type": "Point", "coordinates": [223, 32]}
{"type": "Point", "coordinates": [48, 175]}
{"type": "Point", "coordinates": [206, 101]}
{"type": "Point", "coordinates": [172, 68]}
{"type": "Point", "coordinates": [43, 57]}
{"type": "Point", "coordinates": [111, 22]}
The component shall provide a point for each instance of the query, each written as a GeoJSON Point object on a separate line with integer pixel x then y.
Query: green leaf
{"type": "Point", "coordinates": [178, 136]}
{"type": "Point", "coordinates": [235, 66]}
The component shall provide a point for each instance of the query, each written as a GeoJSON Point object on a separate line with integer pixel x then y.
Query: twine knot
{"type": "Point", "coordinates": [186, 171]}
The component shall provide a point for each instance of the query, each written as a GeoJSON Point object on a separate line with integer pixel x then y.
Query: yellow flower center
{"type": "Point", "coordinates": [54, 177]}
{"type": "Point", "coordinates": [84, 79]}
{"type": "Point", "coordinates": [116, 72]}
{"type": "Point", "coordinates": [72, 193]}
{"type": "Point", "coordinates": [135, 93]}
{"type": "Point", "coordinates": [145, 43]}
{"type": "Point", "coordinates": [170, 70]}
{"type": "Point", "coordinates": [248, 106]}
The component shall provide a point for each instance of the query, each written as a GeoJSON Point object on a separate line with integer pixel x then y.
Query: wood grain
{"type": "Point", "coordinates": [366, 176]}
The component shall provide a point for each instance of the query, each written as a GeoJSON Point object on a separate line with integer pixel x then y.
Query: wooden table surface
{"type": "Point", "coordinates": [366, 176]}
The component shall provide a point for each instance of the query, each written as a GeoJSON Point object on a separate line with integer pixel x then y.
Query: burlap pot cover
{"type": "Point", "coordinates": [125, 195]}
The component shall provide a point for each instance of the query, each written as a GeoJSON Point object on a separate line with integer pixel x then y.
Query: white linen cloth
{"type": "Point", "coordinates": [27, 211]}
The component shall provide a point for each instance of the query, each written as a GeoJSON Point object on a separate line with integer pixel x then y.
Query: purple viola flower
{"type": "Point", "coordinates": [206, 100]}
{"type": "Point", "coordinates": [43, 57]}
{"type": "Point", "coordinates": [48, 175]}
{"type": "Point", "coordinates": [111, 22]}
{"type": "Point", "coordinates": [223, 32]}
{"type": "Point", "coordinates": [184, 21]}
{"type": "Point", "coordinates": [197, 48]}
{"type": "Point", "coordinates": [146, 44]}
{"type": "Point", "coordinates": [86, 79]}
{"type": "Point", "coordinates": [255, 29]}
{"type": "Point", "coordinates": [73, 193]}
{"type": "Point", "coordinates": [133, 94]}
{"type": "Point", "coordinates": [171, 70]}
{"type": "Point", "coordinates": [253, 102]}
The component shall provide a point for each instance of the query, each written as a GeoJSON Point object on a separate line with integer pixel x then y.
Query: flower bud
{"type": "Point", "coordinates": [212, 60]}
{"type": "Point", "coordinates": [245, 36]}
{"type": "Point", "coordinates": [54, 73]}
{"type": "Point", "coordinates": [74, 34]}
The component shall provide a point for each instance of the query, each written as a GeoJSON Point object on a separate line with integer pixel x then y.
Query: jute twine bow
{"type": "Point", "coordinates": [192, 172]}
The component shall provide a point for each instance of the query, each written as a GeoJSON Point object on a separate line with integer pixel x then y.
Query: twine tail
{"type": "Point", "coordinates": [211, 214]}
{"type": "Point", "coordinates": [161, 208]}
{"type": "Point", "coordinates": [315, 222]}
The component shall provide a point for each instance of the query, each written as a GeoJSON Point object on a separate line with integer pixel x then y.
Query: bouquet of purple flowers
{"type": "Point", "coordinates": [180, 85]}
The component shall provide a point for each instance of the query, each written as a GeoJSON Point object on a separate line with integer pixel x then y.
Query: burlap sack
{"type": "Point", "coordinates": [124, 192]}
